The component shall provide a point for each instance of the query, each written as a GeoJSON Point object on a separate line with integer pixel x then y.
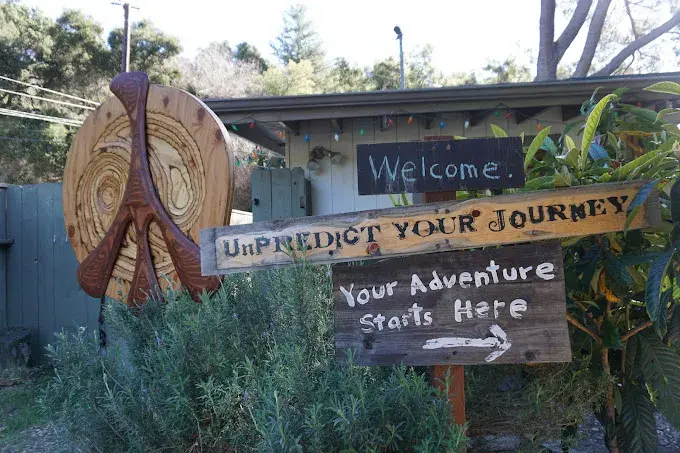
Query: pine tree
{"type": "Point", "coordinates": [298, 40]}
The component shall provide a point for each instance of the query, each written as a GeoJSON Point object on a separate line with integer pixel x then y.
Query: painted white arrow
{"type": "Point", "coordinates": [499, 340]}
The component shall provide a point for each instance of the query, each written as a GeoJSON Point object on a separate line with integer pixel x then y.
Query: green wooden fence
{"type": "Point", "coordinates": [38, 286]}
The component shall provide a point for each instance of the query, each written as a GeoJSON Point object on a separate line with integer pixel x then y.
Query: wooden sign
{"type": "Point", "coordinates": [480, 163]}
{"type": "Point", "coordinates": [149, 168]}
{"type": "Point", "coordinates": [433, 227]}
{"type": "Point", "coordinates": [499, 305]}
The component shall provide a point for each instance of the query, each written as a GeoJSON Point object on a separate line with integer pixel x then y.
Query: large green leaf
{"type": "Point", "coordinates": [498, 131]}
{"type": "Point", "coordinates": [654, 300]}
{"type": "Point", "coordinates": [661, 368]}
{"type": "Point", "coordinates": [611, 337]}
{"type": "Point", "coordinates": [637, 202]}
{"type": "Point", "coordinates": [672, 128]}
{"type": "Point", "coordinates": [674, 328]}
{"type": "Point", "coordinates": [665, 112]}
{"type": "Point", "coordinates": [665, 87]}
{"type": "Point", "coordinates": [591, 125]}
{"type": "Point", "coordinates": [535, 146]}
{"type": "Point", "coordinates": [638, 425]}
{"type": "Point", "coordinates": [568, 143]}
{"type": "Point", "coordinates": [622, 173]}
{"type": "Point", "coordinates": [617, 270]}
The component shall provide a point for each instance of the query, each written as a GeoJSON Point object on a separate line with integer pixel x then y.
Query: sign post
{"type": "Point", "coordinates": [455, 373]}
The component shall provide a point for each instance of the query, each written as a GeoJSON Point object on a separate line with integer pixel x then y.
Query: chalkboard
{"type": "Point", "coordinates": [480, 163]}
{"type": "Point", "coordinates": [499, 305]}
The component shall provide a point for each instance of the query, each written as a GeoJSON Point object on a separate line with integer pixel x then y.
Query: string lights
{"type": "Point", "coordinates": [389, 121]}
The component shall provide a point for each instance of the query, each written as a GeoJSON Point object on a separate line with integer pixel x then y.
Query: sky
{"type": "Point", "coordinates": [464, 33]}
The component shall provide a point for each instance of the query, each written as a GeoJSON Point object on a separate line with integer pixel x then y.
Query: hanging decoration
{"type": "Point", "coordinates": [501, 110]}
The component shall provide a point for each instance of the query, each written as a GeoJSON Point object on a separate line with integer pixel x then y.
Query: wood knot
{"type": "Point", "coordinates": [200, 114]}
{"type": "Point", "coordinates": [373, 249]}
{"type": "Point", "coordinates": [476, 213]}
{"type": "Point", "coordinates": [71, 231]}
{"type": "Point", "coordinates": [108, 115]}
{"type": "Point", "coordinates": [166, 101]}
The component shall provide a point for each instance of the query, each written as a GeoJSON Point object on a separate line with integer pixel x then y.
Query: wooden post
{"type": "Point", "coordinates": [456, 372]}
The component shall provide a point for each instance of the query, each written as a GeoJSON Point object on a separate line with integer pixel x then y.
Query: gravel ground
{"type": "Point", "coordinates": [590, 440]}
{"type": "Point", "coordinates": [43, 439]}
{"type": "Point", "coordinates": [51, 439]}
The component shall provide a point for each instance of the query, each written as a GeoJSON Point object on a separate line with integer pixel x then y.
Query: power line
{"type": "Point", "coordinates": [58, 93]}
{"type": "Point", "coordinates": [35, 116]}
{"type": "Point", "coordinates": [18, 93]}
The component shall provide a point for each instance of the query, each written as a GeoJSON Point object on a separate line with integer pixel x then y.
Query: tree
{"type": "Point", "coordinates": [248, 53]}
{"type": "Point", "coordinates": [346, 78]}
{"type": "Point", "coordinates": [215, 72]}
{"type": "Point", "coordinates": [420, 72]}
{"type": "Point", "coordinates": [293, 78]}
{"type": "Point", "coordinates": [67, 55]}
{"type": "Point", "coordinates": [298, 41]}
{"type": "Point", "coordinates": [79, 59]}
{"type": "Point", "coordinates": [551, 50]}
{"type": "Point", "coordinates": [151, 51]}
{"type": "Point", "coordinates": [385, 74]}
{"type": "Point", "coordinates": [508, 71]}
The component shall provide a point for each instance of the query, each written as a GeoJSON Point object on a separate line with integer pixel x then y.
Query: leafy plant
{"type": "Point", "coordinates": [622, 287]}
{"type": "Point", "coordinates": [252, 368]}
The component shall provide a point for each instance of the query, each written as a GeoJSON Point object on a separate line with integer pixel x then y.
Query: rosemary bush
{"type": "Point", "coordinates": [252, 368]}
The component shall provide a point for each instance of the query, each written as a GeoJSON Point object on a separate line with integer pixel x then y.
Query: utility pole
{"type": "Point", "coordinates": [125, 67]}
{"type": "Point", "coordinates": [125, 50]}
{"type": "Point", "coordinates": [397, 30]}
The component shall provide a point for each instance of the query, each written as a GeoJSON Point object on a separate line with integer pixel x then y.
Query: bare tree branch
{"type": "Point", "coordinates": [545, 69]}
{"type": "Point", "coordinates": [637, 44]}
{"type": "Point", "coordinates": [593, 38]}
{"type": "Point", "coordinates": [632, 21]}
{"type": "Point", "coordinates": [573, 27]}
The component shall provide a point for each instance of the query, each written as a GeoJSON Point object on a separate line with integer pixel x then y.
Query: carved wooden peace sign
{"type": "Point", "coordinates": [146, 171]}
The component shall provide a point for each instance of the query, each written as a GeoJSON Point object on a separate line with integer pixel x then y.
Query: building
{"type": "Point", "coordinates": [295, 125]}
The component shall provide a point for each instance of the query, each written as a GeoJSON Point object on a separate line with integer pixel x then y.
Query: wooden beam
{"type": "Point", "coordinates": [477, 116]}
{"type": "Point", "coordinates": [437, 227]}
{"type": "Point", "coordinates": [526, 113]}
{"type": "Point", "coordinates": [429, 120]}
{"type": "Point", "coordinates": [337, 125]}
{"type": "Point", "coordinates": [293, 126]}
{"type": "Point", "coordinates": [570, 112]}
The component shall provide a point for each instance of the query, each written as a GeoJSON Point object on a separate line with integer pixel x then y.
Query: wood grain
{"type": "Point", "coordinates": [188, 164]}
{"type": "Point", "coordinates": [435, 227]}
{"type": "Point", "coordinates": [538, 334]}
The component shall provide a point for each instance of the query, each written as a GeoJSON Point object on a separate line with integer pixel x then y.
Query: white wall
{"type": "Point", "coordinates": [334, 186]}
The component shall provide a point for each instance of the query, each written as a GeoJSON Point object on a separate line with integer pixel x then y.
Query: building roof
{"type": "Point", "coordinates": [268, 114]}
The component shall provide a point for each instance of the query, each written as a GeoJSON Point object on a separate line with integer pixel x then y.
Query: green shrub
{"type": "Point", "coordinates": [252, 368]}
